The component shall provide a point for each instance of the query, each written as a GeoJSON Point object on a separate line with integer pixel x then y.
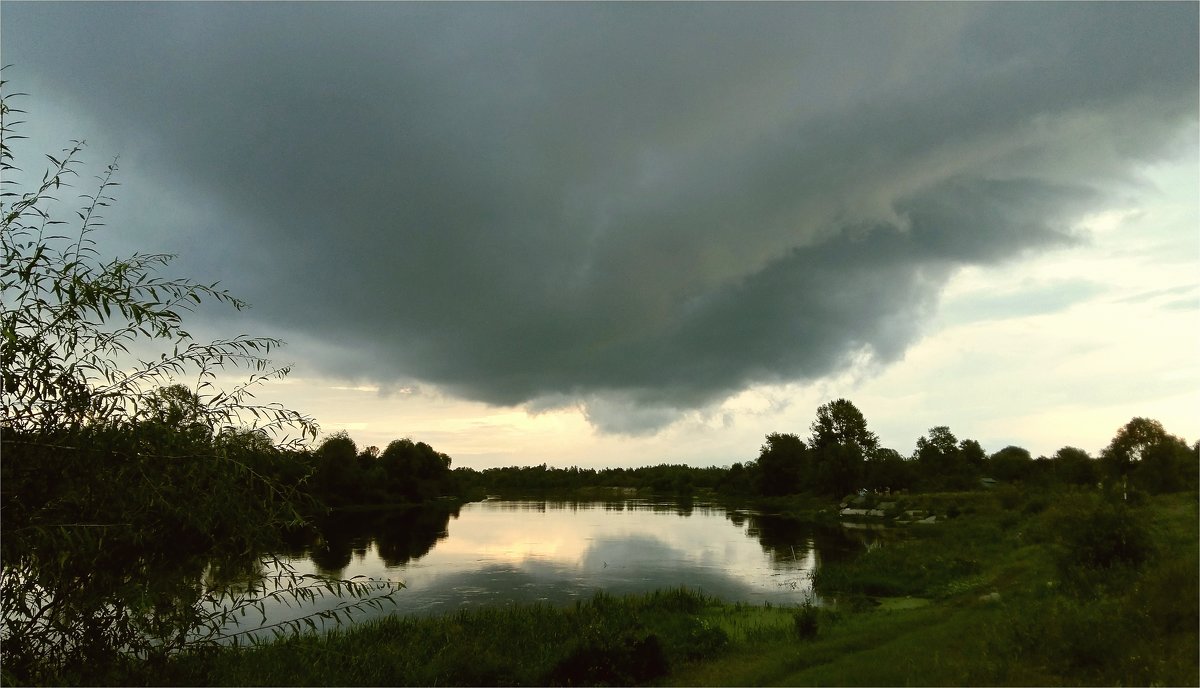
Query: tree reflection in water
{"type": "Point", "coordinates": [509, 552]}
{"type": "Point", "coordinates": [784, 538]}
{"type": "Point", "coordinates": [401, 535]}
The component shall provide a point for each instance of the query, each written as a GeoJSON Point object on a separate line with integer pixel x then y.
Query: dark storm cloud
{"type": "Point", "coordinates": [640, 208]}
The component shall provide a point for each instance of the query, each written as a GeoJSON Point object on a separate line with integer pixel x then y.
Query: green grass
{"type": "Point", "coordinates": [1011, 621]}
{"type": "Point", "coordinates": [866, 648]}
{"type": "Point", "coordinates": [604, 640]}
{"type": "Point", "coordinates": [995, 596]}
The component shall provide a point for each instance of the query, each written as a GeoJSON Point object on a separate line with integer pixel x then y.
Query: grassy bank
{"type": "Point", "coordinates": [1038, 590]}
{"type": "Point", "coordinates": [1033, 589]}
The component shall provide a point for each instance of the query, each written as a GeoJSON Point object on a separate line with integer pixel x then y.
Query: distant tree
{"type": "Point", "coordinates": [887, 469]}
{"type": "Point", "coordinates": [178, 406]}
{"type": "Point", "coordinates": [936, 452]}
{"type": "Point", "coordinates": [736, 480]}
{"type": "Point", "coordinates": [972, 455]}
{"type": "Point", "coordinates": [1145, 454]}
{"type": "Point", "coordinates": [781, 463]}
{"type": "Point", "coordinates": [339, 478]}
{"type": "Point", "coordinates": [182, 414]}
{"type": "Point", "coordinates": [368, 464]}
{"type": "Point", "coordinates": [840, 422]}
{"type": "Point", "coordinates": [415, 472]}
{"type": "Point", "coordinates": [339, 447]}
{"type": "Point", "coordinates": [840, 443]}
{"type": "Point", "coordinates": [1074, 466]}
{"type": "Point", "coordinates": [937, 446]}
{"type": "Point", "coordinates": [1132, 441]}
{"type": "Point", "coordinates": [837, 469]}
{"type": "Point", "coordinates": [944, 462]}
{"type": "Point", "coordinates": [1011, 464]}
{"type": "Point", "coordinates": [1042, 472]}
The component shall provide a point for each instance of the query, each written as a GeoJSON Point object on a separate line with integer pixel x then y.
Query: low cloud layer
{"type": "Point", "coordinates": [641, 209]}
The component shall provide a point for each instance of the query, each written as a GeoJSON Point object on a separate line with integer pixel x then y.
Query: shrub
{"type": "Point", "coordinates": [806, 621]}
{"type": "Point", "coordinates": [1169, 594]}
{"type": "Point", "coordinates": [704, 640]}
{"type": "Point", "coordinates": [1035, 505]}
{"type": "Point", "coordinates": [1096, 540]}
{"type": "Point", "coordinates": [608, 656]}
{"type": "Point", "coordinates": [1008, 496]}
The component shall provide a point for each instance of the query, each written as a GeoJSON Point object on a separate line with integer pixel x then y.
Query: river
{"type": "Point", "coordinates": [498, 552]}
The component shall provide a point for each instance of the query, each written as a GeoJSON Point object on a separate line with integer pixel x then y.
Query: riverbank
{"type": "Point", "coordinates": [1066, 589]}
{"type": "Point", "coordinates": [1039, 589]}
{"type": "Point", "coordinates": [448, 502]}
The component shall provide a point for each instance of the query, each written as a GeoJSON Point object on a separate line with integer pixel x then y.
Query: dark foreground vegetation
{"type": "Point", "coordinates": [133, 491]}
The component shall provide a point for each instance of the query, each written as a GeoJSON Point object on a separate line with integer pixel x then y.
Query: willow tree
{"type": "Point", "coordinates": [121, 475]}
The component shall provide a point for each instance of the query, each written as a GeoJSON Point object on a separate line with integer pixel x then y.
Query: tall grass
{"type": "Point", "coordinates": [602, 641]}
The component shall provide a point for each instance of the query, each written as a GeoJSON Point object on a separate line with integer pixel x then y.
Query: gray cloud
{"type": "Point", "coordinates": [637, 208]}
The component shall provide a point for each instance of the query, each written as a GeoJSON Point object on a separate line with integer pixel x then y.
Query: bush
{"type": "Point", "coordinates": [613, 650]}
{"type": "Point", "coordinates": [1008, 496]}
{"type": "Point", "coordinates": [806, 621]}
{"type": "Point", "coordinates": [704, 640]}
{"type": "Point", "coordinates": [1169, 594]}
{"type": "Point", "coordinates": [1035, 505]}
{"type": "Point", "coordinates": [1096, 539]}
{"type": "Point", "coordinates": [616, 646]}
{"type": "Point", "coordinates": [1069, 633]}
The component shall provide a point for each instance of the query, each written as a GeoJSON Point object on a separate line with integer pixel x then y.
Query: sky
{"type": "Point", "coordinates": [626, 234]}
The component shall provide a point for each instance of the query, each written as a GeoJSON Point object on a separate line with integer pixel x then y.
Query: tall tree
{"type": "Point", "coordinates": [415, 471]}
{"type": "Point", "coordinates": [972, 455]}
{"type": "Point", "coordinates": [840, 422]}
{"type": "Point", "coordinates": [1011, 464]}
{"type": "Point", "coordinates": [782, 462]}
{"type": "Point", "coordinates": [946, 463]}
{"type": "Point", "coordinates": [1143, 452]}
{"type": "Point", "coordinates": [887, 469]}
{"type": "Point", "coordinates": [340, 479]}
{"type": "Point", "coordinates": [840, 443]}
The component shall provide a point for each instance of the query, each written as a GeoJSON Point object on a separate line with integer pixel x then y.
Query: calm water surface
{"type": "Point", "coordinates": [507, 552]}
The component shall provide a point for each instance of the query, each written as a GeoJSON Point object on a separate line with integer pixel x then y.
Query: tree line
{"type": "Point", "coordinates": [841, 455]}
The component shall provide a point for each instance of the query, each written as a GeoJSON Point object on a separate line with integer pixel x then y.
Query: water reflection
{"type": "Point", "coordinates": [783, 538]}
{"type": "Point", "coordinates": [677, 507]}
{"type": "Point", "coordinates": [395, 536]}
{"type": "Point", "coordinates": [508, 552]}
